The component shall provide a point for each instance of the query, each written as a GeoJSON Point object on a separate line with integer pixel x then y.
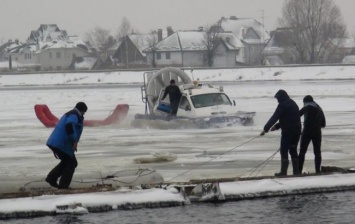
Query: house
{"type": "Point", "coordinates": [130, 51]}
{"type": "Point", "coordinates": [19, 56]}
{"type": "Point", "coordinates": [342, 47]}
{"type": "Point", "coordinates": [47, 48]}
{"type": "Point", "coordinates": [230, 52]}
{"type": "Point", "coordinates": [283, 45]}
{"type": "Point", "coordinates": [280, 49]}
{"type": "Point", "coordinates": [250, 32]}
{"type": "Point", "coordinates": [189, 49]}
{"type": "Point", "coordinates": [55, 48]}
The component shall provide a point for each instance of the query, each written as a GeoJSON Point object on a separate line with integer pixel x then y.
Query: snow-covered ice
{"type": "Point", "coordinates": [103, 150]}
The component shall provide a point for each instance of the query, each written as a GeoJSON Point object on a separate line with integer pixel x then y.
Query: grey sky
{"type": "Point", "coordinates": [19, 17]}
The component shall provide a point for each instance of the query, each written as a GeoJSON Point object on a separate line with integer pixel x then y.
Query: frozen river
{"type": "Point", "coordinates": [105, 150]}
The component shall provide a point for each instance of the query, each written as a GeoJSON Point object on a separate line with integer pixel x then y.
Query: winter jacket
{"type": "Point", "coordinates": [174, 94]}
{"type": "Point", "coordinates": [287, 113]}
{"type": "Point", "coordinates": [67, 132]}
{"type": "Point", "coordinates": [314, 118]}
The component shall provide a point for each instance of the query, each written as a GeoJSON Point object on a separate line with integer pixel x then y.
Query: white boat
{"type": "Point", "coordinates": [201, 105]}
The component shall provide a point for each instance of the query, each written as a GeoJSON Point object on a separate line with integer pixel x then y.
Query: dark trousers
{"type": "Point", "coordinates": [65, 169]}
{"type": "Point", "coordinates": [174, 108]}
{"type": "Point", "coordinates": [289, 142]}
{"type": "Point", "coordinates": [316, 137]}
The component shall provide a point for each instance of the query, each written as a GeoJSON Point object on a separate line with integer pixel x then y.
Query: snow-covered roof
{"type": "Point", "coordinates": [141, 41]}
{"type": "Point", "coordinates": [240, 26]}
{"type": "Point", "coordinates": [192, 40]}
{"type": "Point", "coordinates": [195, 41]}
{"type": "Point", "coordinates": [70, 42]}
{"type": "Point", "coordinates": [170, 43]}
{"type": "Point", "coordinates": [278, 41]}
{"type": "Point", "coordinates": [231, 41]}
{"type": "Point", "coordinates": [18, 48]}
{"type": "Point", "coordinates": [50, 36]}
{"type": "Point", "coordinates": [183, 41]}
{"type": "Point", "coordinates": [47, 32]}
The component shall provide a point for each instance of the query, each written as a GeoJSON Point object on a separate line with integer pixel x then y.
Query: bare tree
{"type": "Point", "coordinates": [101, 40]}
{"type": "Point", "coordinates": [315, 24]}
{"type": "Point", "coordinates": [152, 41]}
{"type": "Point", "coordinates": [124, 29]}
{"type": "Point", "coordinates": [211, 42]}
{"type": "Point", "coordinates": [122, 33]}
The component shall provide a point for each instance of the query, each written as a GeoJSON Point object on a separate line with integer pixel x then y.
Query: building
{"type": "Point", "coordinates": [190, 49]}
{"type": "Point", "coordinates": [280, 49]}
{"type": "Point", "coordinates": [55, 49]}
{"type": "Point", "coordinates": [130, 50]}
{"type": "Point", "coordinates": [250, 32]}
{"type": "Point", "coordinates": [47, 48]}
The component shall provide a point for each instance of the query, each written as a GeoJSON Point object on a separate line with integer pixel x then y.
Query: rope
{"type": "Point", "coordinates": [264, 163]}
{"type": "Point", "coordinates": [101, 179]}
{"type": "Point", "coordinates": [201, 164]}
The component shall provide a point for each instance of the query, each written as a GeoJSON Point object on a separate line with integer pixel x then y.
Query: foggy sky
{"type": "Point", "coordinates": [19, 17]}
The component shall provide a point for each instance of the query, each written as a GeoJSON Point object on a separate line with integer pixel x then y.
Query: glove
{"type": "Point", "coordinates": [262, 133]}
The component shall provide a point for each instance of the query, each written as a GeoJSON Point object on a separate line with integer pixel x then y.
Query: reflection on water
{"type": "Point", "coordinates": [317, 208]}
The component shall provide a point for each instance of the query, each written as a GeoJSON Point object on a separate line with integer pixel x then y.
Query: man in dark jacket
{"type": "Point", "coordinates": [174, 96]}
{"type": "Point", "coordinates": [63, 142]}
{"type": "Point", "coordinates": [314, 120]}
{"type": "Point", "coordinates": [287, 113]}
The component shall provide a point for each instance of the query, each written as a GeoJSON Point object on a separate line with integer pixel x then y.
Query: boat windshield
{"type": "Point", "coordinates": [210, 99]}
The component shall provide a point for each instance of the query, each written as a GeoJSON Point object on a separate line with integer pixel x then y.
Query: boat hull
{"type": "Point", "coordinates": [167, 121]}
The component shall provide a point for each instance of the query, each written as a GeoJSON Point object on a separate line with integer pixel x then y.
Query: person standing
{"type": "Point", "coordinates": [174, 96]}
{"type": "Point", "coordinates": [288, 118]}
{"type": "Point", "coordinates": [314, 121]}
{"type": "Point", "coordinates": [63, 141]}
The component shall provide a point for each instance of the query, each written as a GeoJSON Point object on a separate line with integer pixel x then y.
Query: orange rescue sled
{"type": "Point", "coordinates": [49, 120]}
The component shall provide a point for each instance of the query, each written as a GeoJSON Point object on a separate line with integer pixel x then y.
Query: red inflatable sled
{"type": "Point", "coordinates": [49, 120]}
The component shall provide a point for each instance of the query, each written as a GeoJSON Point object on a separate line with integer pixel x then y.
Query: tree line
{"type": "Point", "coordinates": [316, 28]}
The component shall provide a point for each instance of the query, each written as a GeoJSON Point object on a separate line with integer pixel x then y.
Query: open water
{"type": "Point", "coordinates": [313, 209]}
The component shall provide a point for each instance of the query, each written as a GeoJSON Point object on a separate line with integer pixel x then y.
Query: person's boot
{"type": "Point", "coordinates": [52, 181]}
{"type": "Point", "coordinates": [284, 167]}
{"type": "Point", "coordinates": [54, 174]}
{"type": "Point", "coordinates": [295, 166]}
{"type": "Point", "coordinates": [317, 162]}
{"type": "Point", "coordinates": [300, 163]}
{"type": "Point", "coordinates": [66, 178]}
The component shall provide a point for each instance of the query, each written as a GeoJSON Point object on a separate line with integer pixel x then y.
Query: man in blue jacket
{"type": "Point", "coordinates": [288, 118]}
{"type": "Point", "coordinates": [63, 142]}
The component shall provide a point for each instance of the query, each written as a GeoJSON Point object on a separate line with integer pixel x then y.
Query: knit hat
{"type": "Point", "coordinates": [307, 99]}
{"type": "Point", "coordinates": [81, 106]}
{"type": "Point", "coordinates": [172, 81]}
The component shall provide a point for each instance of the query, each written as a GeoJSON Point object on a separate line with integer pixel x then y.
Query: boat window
{"type": "Point", "coordinates": [183, 103]}
{"type": "Point", "coordinates": [211, 99]}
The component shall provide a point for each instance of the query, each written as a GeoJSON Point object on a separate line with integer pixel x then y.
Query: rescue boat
{"type": "Point", "coordinates": [201, 104]}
